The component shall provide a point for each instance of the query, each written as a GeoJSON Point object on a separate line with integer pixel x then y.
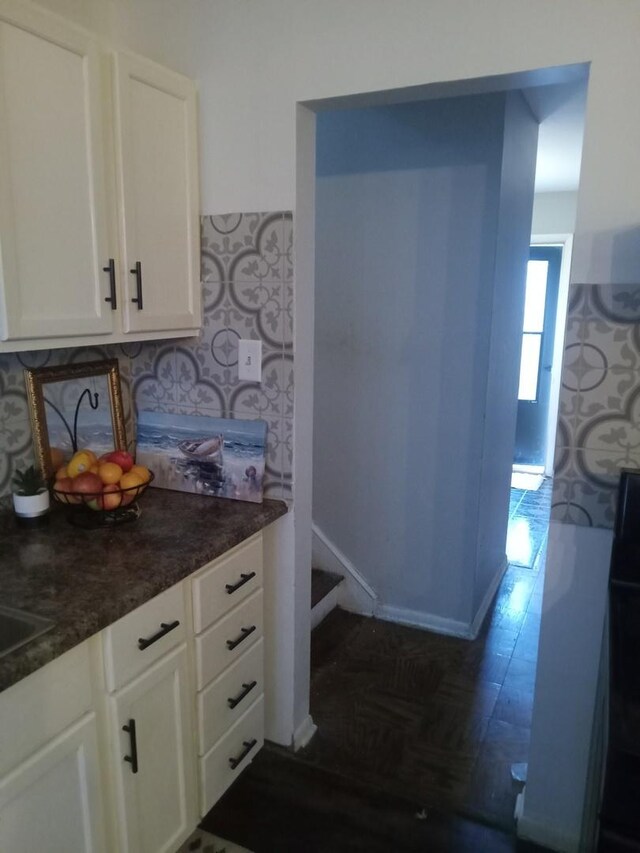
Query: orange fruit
{"type": "Point", "coordinates": [141, 471]}
{"type": "Point", "coordinates": [80, 462]}
{"type": "Point", "coordinates": [109, 473]}
{"type": "Point", "coordinates": [130, 481]}
{"type": "Point", "coordinates": [61, 473]}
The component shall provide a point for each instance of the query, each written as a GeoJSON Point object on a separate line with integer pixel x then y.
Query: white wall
{"type": "Point", "coordinates": [496, 421]}
{"type": "Point", "coordinates": [575, 595]}
{"type": "Point", "coordinates": [417, 327]}
{"type": "Point", "coordinates": [554, 213]}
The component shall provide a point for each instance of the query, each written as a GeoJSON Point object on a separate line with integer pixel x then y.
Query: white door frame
{"type": "Point", "coordinates": [565, 241]}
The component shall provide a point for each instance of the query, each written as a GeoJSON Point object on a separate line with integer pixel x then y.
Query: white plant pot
{"type": "Point", "coordinates": [31, 506]}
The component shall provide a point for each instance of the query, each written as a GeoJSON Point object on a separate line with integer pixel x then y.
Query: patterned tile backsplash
{"type": "Point", "coordinates": [247, 280]}
{"type": "Point", "coordinates": [599, 423]}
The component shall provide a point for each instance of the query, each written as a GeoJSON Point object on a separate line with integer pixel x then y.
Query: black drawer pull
{"type": "Point", "coordinates": [244, 578]}
{"type": "Point", "coordinates": [248, 746]}
{"type": "Point", "coordinates": [165, 627]}
{"type": "Point", "coordinates": [247, 688]}
{"type": "Point", "coordinates": [111, 269]}
{"type": "Point", "coordinates": [137, 271]}
{"type": "Point", "coordinates": [244, 633]}
{"type": "Point", "coordinates": [133, 758]}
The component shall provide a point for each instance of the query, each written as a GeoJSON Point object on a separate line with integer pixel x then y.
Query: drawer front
{"type": "Point", "coordinates": [228, 582]}
{"type": "Point", "coordinates": [143, 636]}
{"type": "Point", "coordinates": [216, 770]}
{"type": "Point", "coordinates": [229, 638]}
{"type": "Point", "coordinates": [227, 698]}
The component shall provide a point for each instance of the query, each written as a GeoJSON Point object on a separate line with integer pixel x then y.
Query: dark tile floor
{"type": "Point", "coordinates": [407, 720]}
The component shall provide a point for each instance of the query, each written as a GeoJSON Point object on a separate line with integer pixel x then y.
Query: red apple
{"type": "Point", "coordinates": [88, 484]}
{"type": "Point", "coordinates": [121, 458]}
{"type": "Point", "coordinates": [62, 487]}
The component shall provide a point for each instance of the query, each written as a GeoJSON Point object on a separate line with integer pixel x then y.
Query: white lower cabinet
{"type": "Point", "coordinates": [50, 777]}
{"type": "Point", "coordinates": [153, 758]}
{"type": "Point", "coordinates": [52, 801]}
{"type": "Point", "coordinates": [118, 745]}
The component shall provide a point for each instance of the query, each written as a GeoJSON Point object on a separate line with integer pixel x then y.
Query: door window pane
{"type": "Point", "coordinates": [535, 296]}
{"type": "Point", "coordinates": [529, 365]}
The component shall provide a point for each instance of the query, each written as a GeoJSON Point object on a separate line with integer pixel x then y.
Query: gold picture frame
{"type": "Point", "coordinates": [105, 375]}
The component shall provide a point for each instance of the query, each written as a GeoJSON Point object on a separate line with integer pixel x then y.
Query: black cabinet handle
{"type": "Point", "coordinates": [248, 746]}
{"type": "Point", "coordinates": [165, 627]}
{"type": "Point", "coordinates": [133, 758]}
{"type": "Point", "coordinates": [247, 688]}
{"type": "Point", "coordinates": [137, 271]}
{"type": "Point", "coordinates": [111, 269]}
{"type": "Point", "coordinates": [244, 633]}
{"type": "Point", "coordinates": [244, 578]}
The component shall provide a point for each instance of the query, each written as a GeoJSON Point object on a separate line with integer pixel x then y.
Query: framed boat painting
{"type": "Point", "coordinates": [206, 456]}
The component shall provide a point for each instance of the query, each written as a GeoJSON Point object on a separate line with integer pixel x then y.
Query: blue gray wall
{"type": "Point", "coordinates": [412, 349]}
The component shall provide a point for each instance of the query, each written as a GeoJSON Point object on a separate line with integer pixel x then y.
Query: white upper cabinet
{"type": "Point", "coordinates": [53, 236]}
{"type": "Point", "coordinates": [156, 157]}
{"type": "Point", "coordinates": [99, 210]}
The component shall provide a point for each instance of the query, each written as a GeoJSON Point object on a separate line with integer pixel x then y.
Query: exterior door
{"type": "Point", "coordinates": [541, 301]}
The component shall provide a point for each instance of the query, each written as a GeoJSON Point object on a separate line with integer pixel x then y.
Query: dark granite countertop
{"type": "Point", "coordinates": [85, 580]}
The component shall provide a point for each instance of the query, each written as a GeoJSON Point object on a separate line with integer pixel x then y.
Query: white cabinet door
{"type": "Point", "coordinates": [153, 762]}
{"type": "Point", "coordinates": [53, 224]}
{"type": "Point", "coordinates": [51, 802]}
{"type": "Point", "coordinates": [158, 193]}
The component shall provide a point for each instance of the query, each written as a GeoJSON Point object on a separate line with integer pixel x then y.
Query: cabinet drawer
{"type": "Point", "coordinates": [228, 582]}
{"type": "Point", "coordinates": [227, 698]}
{"type": "Point", "coordinates": [243, 742]}
{"type": "Point", "coordinates": [141, 637]}
{"type": "Point", "coordinates": [229, 638]}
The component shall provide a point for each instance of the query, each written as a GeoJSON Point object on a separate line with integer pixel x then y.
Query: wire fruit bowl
{"type": "Point", "coordinates": [99, 509]}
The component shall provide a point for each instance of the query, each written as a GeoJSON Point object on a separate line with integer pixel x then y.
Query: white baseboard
{"type": "Point", "coordinates": [540, 833]}
{"type": "Point", "coordinates": [528, 469]}
{"type": "Point", "coordinates": [303, 734]}
{"type": "Point", "coordinates": [419, 619]}
{"type": "Point", "coordinates": [440, 624]}
{"type": "Point", "coordinates": [488, 598]}
{"type": "Point", "coordinates": [324, 607]}
{"type": "Point", "coordinates": [354, 594]}
{"type": "Point", "coordinates": [357, 596]}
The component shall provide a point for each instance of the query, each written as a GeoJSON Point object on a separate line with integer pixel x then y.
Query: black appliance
{"type": "Point", "coordinates": [620, 808]}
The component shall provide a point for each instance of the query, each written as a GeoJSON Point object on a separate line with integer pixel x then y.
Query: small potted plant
{"type": "Point", "coordinates": [30, 493]}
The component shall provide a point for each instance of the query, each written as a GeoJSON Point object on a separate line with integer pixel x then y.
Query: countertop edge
{"type": "Point", "coordinates": [40, 651]}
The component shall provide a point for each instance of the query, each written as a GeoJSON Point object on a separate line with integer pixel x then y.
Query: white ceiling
{"type": "Point", "coordinates": [560, 110]}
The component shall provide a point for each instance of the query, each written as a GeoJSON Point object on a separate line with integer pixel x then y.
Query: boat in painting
{"type": "Point", "coordinates": [203, 449]}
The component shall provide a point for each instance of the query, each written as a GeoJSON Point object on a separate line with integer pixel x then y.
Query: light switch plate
{"type": "Point", "coordinates": [250, 360]}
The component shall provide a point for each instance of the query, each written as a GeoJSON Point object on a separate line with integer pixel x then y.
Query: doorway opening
{"type": "Point", "coordinates": [414, 712]}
